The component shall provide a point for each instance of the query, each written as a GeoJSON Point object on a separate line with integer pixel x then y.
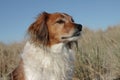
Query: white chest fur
{"type": "Point", "coordinates": [55, 63]}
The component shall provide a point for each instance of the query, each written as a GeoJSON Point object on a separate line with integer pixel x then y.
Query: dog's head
{"type": "Point", "coordinates": [49, 29]}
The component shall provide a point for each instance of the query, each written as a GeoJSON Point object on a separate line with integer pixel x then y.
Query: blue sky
{"type": "Point", "coordinates": [17, 15]}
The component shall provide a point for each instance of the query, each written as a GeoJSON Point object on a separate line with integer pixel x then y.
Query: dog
{"type": "Point", "coordinates": [48, 53]}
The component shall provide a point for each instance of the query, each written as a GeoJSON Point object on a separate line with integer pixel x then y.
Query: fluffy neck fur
{"type": "Point", "coordinates": [54, 63]}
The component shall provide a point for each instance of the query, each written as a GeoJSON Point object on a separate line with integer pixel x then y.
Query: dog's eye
{"type": "Point", "coordinates": [60, 21]}
{"type": "Point", "coordinates": [72, 19]}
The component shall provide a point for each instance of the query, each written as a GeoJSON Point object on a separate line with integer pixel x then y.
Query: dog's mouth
{"type": "Point", "coordinates": [76, 34]}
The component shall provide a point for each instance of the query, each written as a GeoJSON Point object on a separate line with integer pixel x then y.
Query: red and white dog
{"type": "Point", "coordinates": [47, 54]}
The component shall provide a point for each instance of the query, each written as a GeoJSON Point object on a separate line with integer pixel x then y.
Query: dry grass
{"type": "Point", "coordinates": [9, 57]}
{"type": "Point", "coordinates": [98, 57]}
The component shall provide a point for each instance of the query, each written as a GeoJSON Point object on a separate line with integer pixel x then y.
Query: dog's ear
{"type": "Point", "coordinates": [38, 31]}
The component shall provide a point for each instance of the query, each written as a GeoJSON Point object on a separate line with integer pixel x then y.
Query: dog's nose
{"type": "Point", "coordinates": [79, 27]}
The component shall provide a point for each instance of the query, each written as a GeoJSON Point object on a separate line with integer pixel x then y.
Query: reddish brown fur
{"type": "Point", "coordinates": [38, 31]}
{"type": "Point", "coordinates": [55, 30]}
{"type": "Point", "coordinates": [43, 30]}
{"type": "Point", "coordinates": [18, 73]}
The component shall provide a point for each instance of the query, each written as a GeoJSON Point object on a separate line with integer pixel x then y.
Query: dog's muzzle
{"type": "Point", "coordinates": [79, 27]}
{"type": "Point", "coordinates": [78, 30]}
